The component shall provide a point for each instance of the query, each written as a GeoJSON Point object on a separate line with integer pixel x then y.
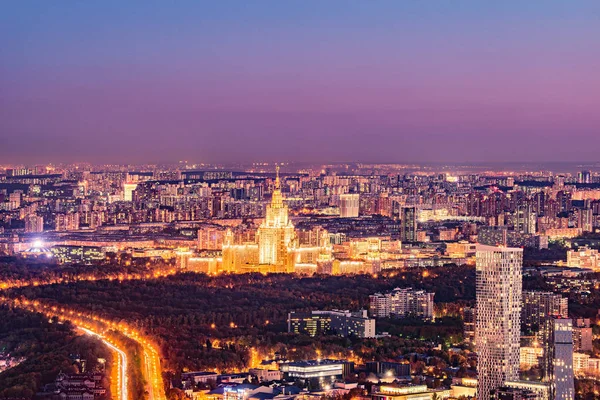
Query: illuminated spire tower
{"type": "Point", "coordinates": [276, 235]}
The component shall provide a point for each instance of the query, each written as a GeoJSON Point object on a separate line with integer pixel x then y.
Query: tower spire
{"type": "Point", "coordinates": [277, 184]}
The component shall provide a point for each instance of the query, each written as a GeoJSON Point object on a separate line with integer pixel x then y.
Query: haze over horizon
{"type": "Point", "coordinates": [346, 81]}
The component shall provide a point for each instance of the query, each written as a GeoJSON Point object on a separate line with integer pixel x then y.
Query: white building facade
{"type": "Point", "coordinates": [498, 322]}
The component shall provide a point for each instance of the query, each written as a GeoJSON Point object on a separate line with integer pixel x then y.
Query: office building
{"type": "Point", "coordinates": [562, 365]}
{"type": "Point", "coordinates": [320, 369]}
{"type": "Point", "coordinates": [383, 368]}
{"type": "Point", "coordinates": [463, 387]}
{"type": "Point", "coordinates": [410, 392]}
{"type": "Point", "coordinates": [73, 254]}
{"type": "Point", "coordinates": [211, 237]}
{"type": "Point", "coordinates": [584, 177]}
{"type": "Point", "coordinates": [341, 323]}
{"type": "Point", "coordinates": [498, 299]}
{"type": "Point", "coordinates": [531, 356]}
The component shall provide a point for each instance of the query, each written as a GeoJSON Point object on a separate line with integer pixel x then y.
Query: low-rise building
{"type": "Point", "coordinates": [530, 356]}
{"type": "Point", "coordinates": [584, 257]}
{"type": "Point", "coordinates": [342, 323]}
{"type": "Point", "coordinates": [411, 392]}
{"type": "Point", "coordinates": [266, 375]}
{"type": "Point", "coordinates": [323, 372]}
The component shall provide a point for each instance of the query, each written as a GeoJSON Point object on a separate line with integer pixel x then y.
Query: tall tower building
{"type": "Point", "coordinates": [276, 235]}
{"type": "Point", "coordinates": [128, 188]}
{"type": "Point", "coordinates": [349, 205]}
{"type": "Point", "coordinates": [584, 177]}
{"type": "Point", "coordinates": [562, 365]}
{"type": "Point", "coordinates": [408, 225]}
{"type": "Point", "coordinates": [498, 325]}
{"type": "Point", "coordinates": [585, 220]}
{"type": "Point", "coordinates": [539, 306]}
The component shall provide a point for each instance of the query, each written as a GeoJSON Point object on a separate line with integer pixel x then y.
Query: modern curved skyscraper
{"type": "Point", "coordinates": [498, 323]}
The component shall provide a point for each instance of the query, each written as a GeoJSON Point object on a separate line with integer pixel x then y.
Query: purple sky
{"type": "Point", "coordinates": [389, 81]}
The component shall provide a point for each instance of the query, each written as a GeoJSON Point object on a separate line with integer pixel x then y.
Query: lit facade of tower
{"type": "Point", "coordinates": [349, 205]}
{"type": "Point", "coordinates": [34, 224]}
{"type": "Point", "coordinates": [498, 326]}
{"type": "Point", "coordinates": [408, 224]}
{"type": "Point", "coordinates": [539, 306]}
{"type": "Point", "coordinates": [276, 235]}
{"type": "Point", "coordinates": [128, 188]}
{"type": "Point", "coordinates": [562, 363]}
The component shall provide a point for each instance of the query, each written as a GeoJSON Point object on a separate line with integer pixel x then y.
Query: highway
{"type": "Point", "coordinates": [93, 324]}
{"type": "Point", "coordinates": [151, 370]}
{"type": "Point", "coordinates": [121, 365]}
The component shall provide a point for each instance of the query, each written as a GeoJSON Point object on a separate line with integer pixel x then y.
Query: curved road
{"type": "Point", "coordinates": [121, 384]}
{"type": "Point", "coordinates": [152, 371]}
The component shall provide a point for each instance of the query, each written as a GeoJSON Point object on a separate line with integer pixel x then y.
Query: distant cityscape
{"type": "Point", "coordinates": [377, 222]}
{"type": "Point", "coordinates": [326, 219]}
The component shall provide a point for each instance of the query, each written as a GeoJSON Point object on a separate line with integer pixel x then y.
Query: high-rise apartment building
{"type": "Point", "coordinates": [211, 237]}
{"type": "Point", "coordinates": [582, 335]}
{"type": "Point", "coordinates": [498, 325]}
{"type": "Point", "coordinates": [539, 306]}
{"type": "Point", "coordinates": [34, 223]}
{"type": "Point", "coordinates": [66, 222]}
{"type": "Point", "coordinates": [408, 227]}
{"type": "Point", "coordinates": [585, 220]}
{"type": "Point", "coordinates": [349, 205]}
{"type": "Point", "coordinates": [469, 320]}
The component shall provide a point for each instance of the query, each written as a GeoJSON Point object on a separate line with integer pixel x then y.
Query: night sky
{"type": "Point", "coordinates": [307, 80]}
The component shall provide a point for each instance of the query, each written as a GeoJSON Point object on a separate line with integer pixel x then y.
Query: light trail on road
{"type": "Point", "coordinates": [83, 319]}
{"type": "Point", "coordinates": [121, 385]}
{"type": "Point", "coordinates": [121, 277]}
{"type": "Point", "coordinates": [152, 369]}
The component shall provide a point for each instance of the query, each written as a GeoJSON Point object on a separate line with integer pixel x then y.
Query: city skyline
{"type": "Point", "coordinates": [392, 81]}
{"type": "Point", "coordinates": [292, 200]}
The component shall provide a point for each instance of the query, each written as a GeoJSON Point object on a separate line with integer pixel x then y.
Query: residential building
{"type": "Point", "coordinates": [582, 335]}
{"type": "Point", "coordinates": [349, 205]}
{"type": "Point", "coordinates": [408, 227]}
{"type": "Point", "coordinates": [539, 306]}
{"type": "Point", "coordinates": [402, 303]}
{"type": "Point", "coordinates": [498, 299]}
